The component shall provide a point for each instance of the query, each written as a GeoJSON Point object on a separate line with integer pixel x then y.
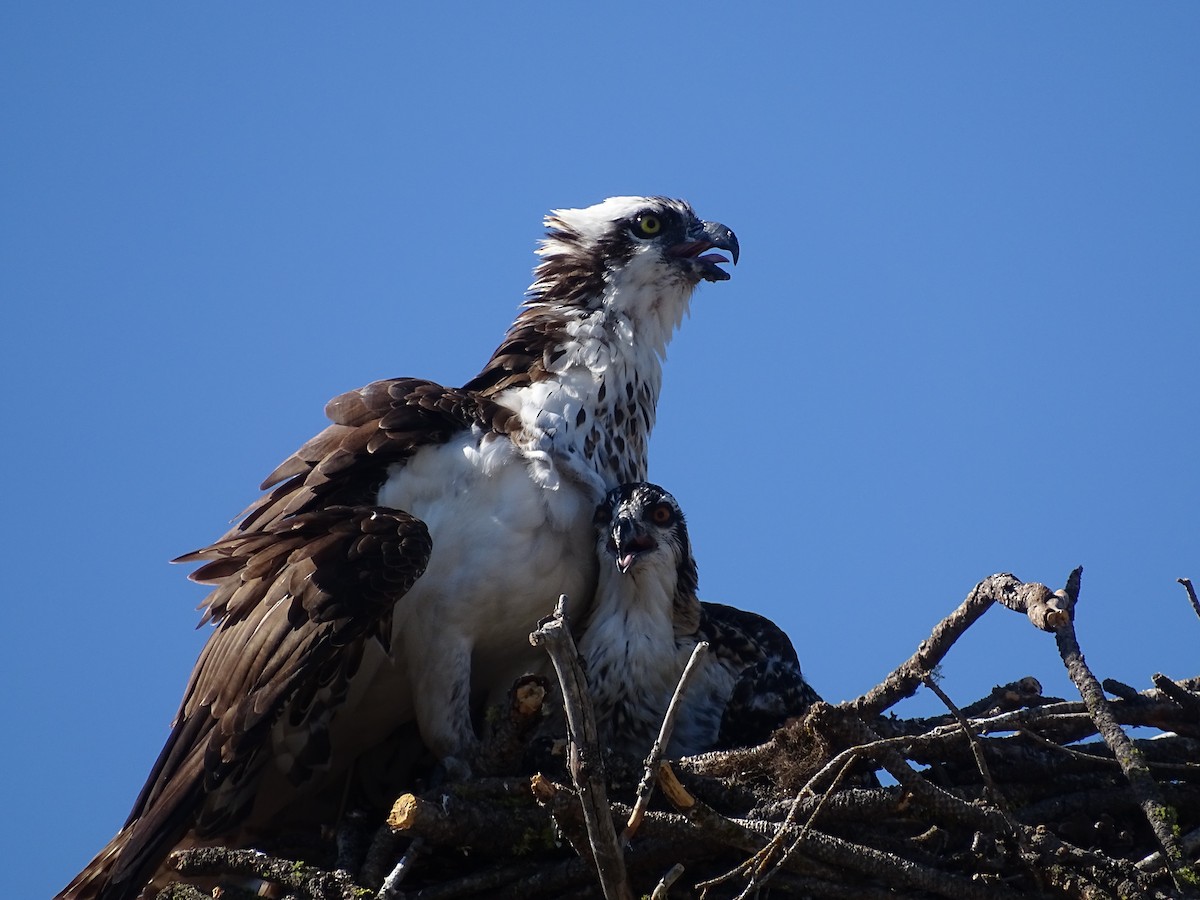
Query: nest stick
{"type": "Point", "coordinates": [646, 786]}
{"type": "Point", "coordinates": [587, 769]}
{"type": "Point", "coordinates": [1145, 788]}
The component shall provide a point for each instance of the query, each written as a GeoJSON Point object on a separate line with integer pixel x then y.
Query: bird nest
{"type": "Point", "coordinates": [1016, 795]}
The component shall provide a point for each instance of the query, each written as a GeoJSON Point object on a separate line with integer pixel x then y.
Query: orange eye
{"type": "Point", "coordinates": [662, 514]}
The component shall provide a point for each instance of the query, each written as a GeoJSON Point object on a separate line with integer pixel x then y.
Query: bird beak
{"type": "Point", "coordinates": [703, 237]}
{"type": "Point", "coordinates": [721, 238]}
{"type": "Point", "coordinates": [626, 541]}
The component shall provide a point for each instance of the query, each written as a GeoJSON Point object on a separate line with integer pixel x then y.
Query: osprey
{"type": "Point", "coordinates": [647, 620]}
{"type": "Point", "coordinates": [396, 566]}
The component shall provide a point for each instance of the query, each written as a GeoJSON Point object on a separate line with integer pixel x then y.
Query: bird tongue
{"type": "Point", "coordinates": [706, 265]}
{"type": "Point", "coordinates": [628, 551]}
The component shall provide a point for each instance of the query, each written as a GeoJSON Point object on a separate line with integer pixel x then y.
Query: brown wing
{"type": "Point", "coordinates": [373, 428]}
{"type": "Point", "coordinates": [529, 349]}
{"type": "Point", "coordinates": [293, 605]}
{"type": "Point", "coordinates": [769, 686]}
{"type": "Point", "coordinates": [310, 572]}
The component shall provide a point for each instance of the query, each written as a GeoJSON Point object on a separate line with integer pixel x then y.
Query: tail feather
{"type": "Point", "coordinates": [131, 860]}
{"type": "Point", "coordinates": [95, 881]}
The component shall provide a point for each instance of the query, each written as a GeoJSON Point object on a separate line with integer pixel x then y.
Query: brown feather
{"type": "Point", "coordinates": [292, 614]}
{"type": "Point", "coordinates": [282, 625]}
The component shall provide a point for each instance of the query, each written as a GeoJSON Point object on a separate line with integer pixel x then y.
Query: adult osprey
{"type": "Point", "coordinates": [328, 636]}
{"type": "Point", "coordinates": [647, 620]}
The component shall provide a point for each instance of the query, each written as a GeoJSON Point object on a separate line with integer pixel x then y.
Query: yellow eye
{"type": "Point", "coordinates": [649, 225]}
{"type": "Point", "coordinates": [662, 514]}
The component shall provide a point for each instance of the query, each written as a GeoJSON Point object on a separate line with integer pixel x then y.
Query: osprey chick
{"type": "Point", "coordinates": [647, 620]}
{"type": "Point", "coordinates": [336, 618]}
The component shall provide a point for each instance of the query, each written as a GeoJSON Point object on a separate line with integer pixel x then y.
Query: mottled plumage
{"type": "Point", "coordinates": [401, 557]}
{"type": "Point", "coordinates": [647, 620]}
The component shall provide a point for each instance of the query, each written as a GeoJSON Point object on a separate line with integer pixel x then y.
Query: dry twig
{"type": "Point", "coordinates": [903, 682]}
{"type": "Point", "coordinates": [1191, 592]}
{"type": "Point", "coordinates": [646, 786]}
{"type": "Point", "coordinates": [1162, 818]}
{"type": "Point", "coordinates": [1013, 795]}
{"type": "Point", "coordinates": [586, 765]}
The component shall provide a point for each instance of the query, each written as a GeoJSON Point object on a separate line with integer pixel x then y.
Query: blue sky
{"type": "Point", "coordinates": [962, 337]}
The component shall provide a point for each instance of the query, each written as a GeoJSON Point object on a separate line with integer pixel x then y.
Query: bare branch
{"type": "Point", "coordinates": [664, 885]}
{"type": "Point", "coordinates": [646, 786]}
{"type": "Point", "coordinates": [903, 682]}
{"type": "Point", "coordinates": [1014, 795]}
{"type": "Point", "coordinates": [305, 881]}
{"type": "Point", "coordinates": [390, 888]}
{"type": "Point", "coordinates": [1188, 700]}
{"type": "Point", "coordinates": [976, 747]}
{"type": "Point", "coordinates": [1191, 592]}
{"type": "Point", "coordinates": [587, 767]}
{"type": "Point", "coordinates": [1161, 817]}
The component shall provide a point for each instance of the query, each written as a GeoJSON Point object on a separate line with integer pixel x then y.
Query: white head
{"type": "Point", "coordinates": [642, 537]}
{"type": "Point", "coordinates": [638, 256]}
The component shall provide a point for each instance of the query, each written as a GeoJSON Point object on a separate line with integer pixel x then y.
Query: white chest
{"type": "Point", "coordinates": [633, 661]}
{"type": "Point", "coordinates": [594, 415]}
{"type": "Point", "coordinates": [510, 533]}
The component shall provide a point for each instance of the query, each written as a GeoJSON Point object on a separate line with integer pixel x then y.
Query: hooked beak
{"type": "Point", "coordinates": [708, 236]}
{"type": "Point", "coordinates": [627, 541]}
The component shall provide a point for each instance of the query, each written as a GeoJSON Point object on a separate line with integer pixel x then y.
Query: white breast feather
{"type": "Point", "coordinates": [634, 661]}
{"type": "Point", "coordinates": [630, 671]}
{"type": "Point", "coordinates": [510, 519]}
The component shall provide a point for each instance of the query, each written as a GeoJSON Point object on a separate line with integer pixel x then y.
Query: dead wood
{"type": "Point", "coordinates": [1191, 592]}
{"type": "Point", "coordinates": [1013, 795]}
{"type": "Point", "coordinates": [586, 764]}
{"type": "Point", "coordinates": [653, 761]}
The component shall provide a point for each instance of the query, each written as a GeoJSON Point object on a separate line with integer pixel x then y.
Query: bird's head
{"type": "Point", "coordinates": [629, 250]}
{"type": "Point", "coordinates": [640, 526]}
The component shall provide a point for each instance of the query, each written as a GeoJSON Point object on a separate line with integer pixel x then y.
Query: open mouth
{"type": "Point", "coordinates": [694, 253]}
{"type": "Point", "coordinates": [704, 264]}
{"type": "Point", "coordinates": [628, 552]}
